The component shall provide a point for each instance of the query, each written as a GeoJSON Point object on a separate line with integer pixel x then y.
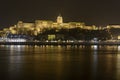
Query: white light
{"type": "Point", "coordinates": [95, 47]}
{"type": "Point", "coordinates": [118, 48]}
{"type": "Point", "coordinates": [16, 40]}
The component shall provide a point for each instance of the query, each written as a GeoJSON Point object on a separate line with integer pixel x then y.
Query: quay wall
{"type": "Point", "coordinates": [59, 43]}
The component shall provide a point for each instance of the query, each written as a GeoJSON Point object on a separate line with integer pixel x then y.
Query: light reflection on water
{"type": "Point", "coordinates": [60, 62]}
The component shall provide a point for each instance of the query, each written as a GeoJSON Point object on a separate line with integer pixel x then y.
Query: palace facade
{"type": "Point", "coordinates": [39, 25]}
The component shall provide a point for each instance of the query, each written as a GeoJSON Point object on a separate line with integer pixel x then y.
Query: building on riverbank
{"type": "Point", "coordinates": [39, 25]}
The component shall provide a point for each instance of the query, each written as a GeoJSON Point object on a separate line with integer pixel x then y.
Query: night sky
{"type": "Point", "coordinates": [92, 12]}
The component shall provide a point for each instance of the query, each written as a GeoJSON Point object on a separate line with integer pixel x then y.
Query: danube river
{"type": "Point", "coordinates": [59, 62]}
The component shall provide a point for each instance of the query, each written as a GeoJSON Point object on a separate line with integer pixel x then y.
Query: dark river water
{"type": "Point", "coordinates": [59, 62]}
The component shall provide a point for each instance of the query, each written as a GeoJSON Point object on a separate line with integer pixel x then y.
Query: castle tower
{"type": "Point", "coordinates": [20, 24]}
{"type": "Point", "coordinates": [59, 19]}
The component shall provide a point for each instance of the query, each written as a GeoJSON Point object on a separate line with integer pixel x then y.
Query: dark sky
{"type": "Point", "coordinates": [92, 12]}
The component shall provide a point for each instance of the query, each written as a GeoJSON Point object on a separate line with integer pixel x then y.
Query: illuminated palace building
{"type": "Point", "coordinates": [40, 25]}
